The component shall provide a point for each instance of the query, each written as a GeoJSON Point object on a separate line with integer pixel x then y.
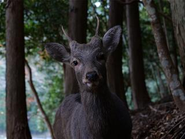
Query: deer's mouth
{"type": "Point", "coordinates": [91, 84]}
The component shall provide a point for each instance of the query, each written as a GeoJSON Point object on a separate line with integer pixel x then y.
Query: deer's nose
{"type": "Point", "coordinates": [92, 76]}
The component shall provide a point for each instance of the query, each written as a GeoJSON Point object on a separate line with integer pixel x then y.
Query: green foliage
{"type": "Point", "coordinates": [42, 23]}
{"type": "Point", "coordinates": [2, 28]}
{"type": "Point", "coordinates": [2, 22]}
{"type": "Point", "coordinates": [102, 12]}
{"type": "Point", "coordinates": [55, 94]}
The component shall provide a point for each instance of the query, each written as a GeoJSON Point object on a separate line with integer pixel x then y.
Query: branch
{"type": "Point", "coordinates": [130, 2]}
{"type": "Point", "coordinates": [30, 81]}
{"type": "Point", "coordinates": [155, 110]}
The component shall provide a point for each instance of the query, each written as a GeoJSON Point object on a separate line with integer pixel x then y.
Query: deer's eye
{"type": "Point", "coordinates": [100, 57]}
{"type": "Point", "coordinates": [74, 63]}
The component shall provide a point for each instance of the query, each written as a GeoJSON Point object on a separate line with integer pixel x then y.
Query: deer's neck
{"type": "Point", "coordinates": [98, 110]}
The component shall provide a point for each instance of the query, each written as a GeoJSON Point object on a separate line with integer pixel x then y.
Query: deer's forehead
{"type": "Point", "coordinates": [86, 51]}
{"type": "Point", "coordinates": [87, 48]}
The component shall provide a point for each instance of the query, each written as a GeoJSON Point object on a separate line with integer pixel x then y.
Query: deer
{"type": "Point", "coordinates": [94, 112]}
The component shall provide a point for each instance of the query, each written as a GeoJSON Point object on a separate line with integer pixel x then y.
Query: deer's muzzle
{"type": "Point", "coordinates": [91, 79]}
{"type": "Point", "coordinates": [92, 76]}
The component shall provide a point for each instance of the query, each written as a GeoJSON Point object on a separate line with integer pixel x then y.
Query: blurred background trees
{"type": "Point", "coordinates": [114, 62]}
{"type": "Point", "coordinates": [137, 77]}
{"type": "Point", "coordinates": [134, 71]}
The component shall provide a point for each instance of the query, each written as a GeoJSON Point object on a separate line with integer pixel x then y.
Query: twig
{"type": "Point", "coordinates": [155, 110]}
{"type": "Point", "coordinates": [177, 133]}
{"type": "Point", "coordinates": [177, 124]}
{"type": "Point", "coordinates": [30, 81]}
{"type": "Point", "coordinates": [172, 130]}
{"type": "Point", "coordinates": [183, 136]}
{"type": "Point", "coordinates": [143, 116]}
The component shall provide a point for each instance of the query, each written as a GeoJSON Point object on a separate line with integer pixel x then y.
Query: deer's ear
{"type": "Point", "coordinates": [111, 39]}
{"type": "Point", "coordinates": [58, 52]}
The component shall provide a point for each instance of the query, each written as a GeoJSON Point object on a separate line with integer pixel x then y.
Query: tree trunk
{"type": "Point", "coordinates": [171, 48]}
{"type": "Point", "coordinates": [178, 18]}
{"type": "Point", "coordinates": [173, 81]}
{"type": "Point", "coordinates": [16, 112]}
{"type": "Point", "coordinates": [114, 62]}
{"type": "Point", "coordinates": [164, 23]}
{"type": "Point", "coordinates": [77, 31]}
{"type": "Point", "coordinates": [140, 94]}
{"type": "Point", "coordinates": [174, 51]}
{"type": "Point", "coordinates": [162, 88]}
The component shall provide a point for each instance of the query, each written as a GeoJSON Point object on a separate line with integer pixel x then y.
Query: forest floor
{"type": "Point", "coordinates": [158, 121]}
{"type": "Point", "coordinates": [34, 136]}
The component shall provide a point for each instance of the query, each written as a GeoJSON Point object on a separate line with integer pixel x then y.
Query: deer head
{"type": "Point", "coordinates": [88, 60]}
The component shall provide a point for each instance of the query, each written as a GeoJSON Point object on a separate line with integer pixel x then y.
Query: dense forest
{"type": "Point", "coordinates": [146, 70]}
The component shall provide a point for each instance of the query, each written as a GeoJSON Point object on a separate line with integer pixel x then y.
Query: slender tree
{"type": "Point", "coordinates": [77, 31]}
{"type": "Point", "coordinates": [16, 112]}
{"type": "Point", "coordinates": [172, 48]}
{"type": "Point", "coordinates": [114, 62]}
{"type": "Point", "coordinates": [140, 94]}
{"type": "Point", "coordinates": [171, 73]}
{"type": "Point", "coordinates": [162, 88]}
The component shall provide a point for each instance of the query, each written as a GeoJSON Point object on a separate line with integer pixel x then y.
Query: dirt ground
{"type": "Point", "coordinates": [158, 121]}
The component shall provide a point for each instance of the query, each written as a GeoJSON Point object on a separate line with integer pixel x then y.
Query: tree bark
{"type": "Point", "coordinates": [171, 48]}
{"type": "Point", "coordinates": [77, 31]}
{"type": "Point", "coordinates": [164, 23]}
{"type": "Point", "coordinates": [114, 62]}
{"type": "Point", "coordinates": [174, 51]}
{"type": "Point", "coordinates": [173, 80]}
{"type": "Point", "coordinates": [178, 18]}
{"type": "Point", "coordinates": [140, 95]}
{"type": "Point", "coordinates": [16, 111]}
{"type": "Point", "coordinates": [162, 89]}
